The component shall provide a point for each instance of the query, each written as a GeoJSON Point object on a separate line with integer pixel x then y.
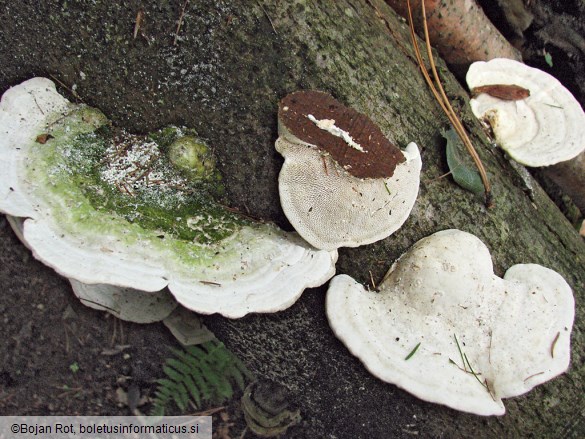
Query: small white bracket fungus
{"type": "Point", "coordinates": [187, 328]}
{"type": "Point", "coordinates": [445, 328]}
{"type": "Point", "coordinates": [236, 267]}
{"type": "Point", "coordinates": [543, 129]}
{"type": "Point", "coordinates": [126, 303]}
{"type": "Point", "coordinates": [342, 184]}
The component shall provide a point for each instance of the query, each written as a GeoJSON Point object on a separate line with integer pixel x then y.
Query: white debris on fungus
{"type": "Point", "coordinates": [132, 164]}
{"type": "Point", "coordinates": [329, 126]}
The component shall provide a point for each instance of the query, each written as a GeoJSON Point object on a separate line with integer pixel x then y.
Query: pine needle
{"type": "Point", "coordinates": [441, 98]}
{"type": "Point", "coordinates": [554, 343]}
{"type": "Point", "coordinates": [412, 352]}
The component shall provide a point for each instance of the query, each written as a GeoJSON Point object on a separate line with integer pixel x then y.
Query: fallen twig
{"type": "Point", "coordinates": [180, 22]}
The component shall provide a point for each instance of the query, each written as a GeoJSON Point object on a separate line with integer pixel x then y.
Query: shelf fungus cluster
{"type": "Point", "coordinates": [445, 328]}
{"type": "Point", "coordinates": [343, 183]}
{"type": "Point", "coordinates": [534, 118]}
{"type": "Point", "coordinates": [101, 206]}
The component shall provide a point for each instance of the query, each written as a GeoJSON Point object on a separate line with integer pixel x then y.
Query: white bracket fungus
{"type": "Point", "coordinates": [126, 303]}
{"type": "Point", "coordinates": [544, 128]}
{"type": "Point", "coordinates": [51, 174]}
{"type": "Point", "coordinates": [445, 328]}
{"type": "Point", "coordinates": [187, 327]}
{"type": "Point", "coordinates": [342, 184]}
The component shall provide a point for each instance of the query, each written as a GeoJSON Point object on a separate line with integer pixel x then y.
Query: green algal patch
{"type": "Point", "coordinates": [118, 183]}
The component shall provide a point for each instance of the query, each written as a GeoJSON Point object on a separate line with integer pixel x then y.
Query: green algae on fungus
{"type": "Point", "coordinates": [104, 206]}
{"type": "Point", "coordinates": [192, 157]}
{"type": "Point", "coordinates": [130, 176]}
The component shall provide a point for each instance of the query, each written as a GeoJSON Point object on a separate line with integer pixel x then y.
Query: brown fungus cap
{"type": "Point", "coordinates": [351, 138]}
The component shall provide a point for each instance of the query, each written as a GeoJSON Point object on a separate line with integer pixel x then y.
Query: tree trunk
{"type": "Point", "coordinates": [233, 62]}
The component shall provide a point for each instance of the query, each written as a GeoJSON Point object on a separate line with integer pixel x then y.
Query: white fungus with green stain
{"type": "Point", "coordinates": [104, 206]}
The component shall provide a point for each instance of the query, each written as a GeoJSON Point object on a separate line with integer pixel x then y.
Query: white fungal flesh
{"type": "Point", "coordinates": [329, 126]}
{"type": "Point", "coordinates": [514, 333]}
{"type": "Point", "coordinates": [125, 303]}
{"type": "Point", "coordinates": [543, 129]}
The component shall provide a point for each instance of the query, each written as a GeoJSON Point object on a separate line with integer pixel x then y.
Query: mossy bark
{"type": "Point", "coordinates": [232, 63]}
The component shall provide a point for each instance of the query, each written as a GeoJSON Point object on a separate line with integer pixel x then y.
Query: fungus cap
{"type": "Point", "coordinates": [543, 129]}
{"type": "Point", "coordinates": [441, 311]}
{"type": "Point", "coordinates": [126, 303]}
{"type": "Point", "coordinates": [237, 268]}
{"type": "Point", "coordinates": [342, 184]}
{"type": "Point", "coordinates": [356, 143]}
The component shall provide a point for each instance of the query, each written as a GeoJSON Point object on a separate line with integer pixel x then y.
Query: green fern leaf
{"type": "Point", "coordinates": [225, 389]}
{"type": "Point", "coordinates": [201, 374]}
{"type": "Point", "coordinates": [196, 352]}
{"type": "Point", "coordinates": [237, 376]}
{"type": "Point", "coordinates": [193, 390]}
{"type": "Point", "coordinates": [172, 373]}
{"type": "Point", "coordinates": [181, 397]}
{"type": "Point", "coordinates": [179, 365]}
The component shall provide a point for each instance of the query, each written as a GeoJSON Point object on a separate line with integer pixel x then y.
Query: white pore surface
{"type": "Point", "coordinates": [515, 332]}
{"type": "Point", "coordinates": [547, 127]}
{"type": "Point", "coordinates": [330, 208]}
{"type": "Point", "coordinates": [257, 269]}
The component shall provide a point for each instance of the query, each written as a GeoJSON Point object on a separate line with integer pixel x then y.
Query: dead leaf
{"type": "Point", "coordinates": [42, 138]}
{"type": "Point", "coordinates": [506, 92]}
{"type": "Point", "coordinates": [464, 174]}
{"type": "Point", "coordinates": [139, 21]}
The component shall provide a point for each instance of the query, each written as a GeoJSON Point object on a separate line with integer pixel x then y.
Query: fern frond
{"type": "Point", "coordinates": [199, 374]}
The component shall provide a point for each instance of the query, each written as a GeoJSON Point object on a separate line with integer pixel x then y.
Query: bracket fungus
{"type": "Point", "coordinates": [342, 184]}
{"type": "Point", "coordinates": [536, 120]}
{"type": "Point", "coordinates": [125, 303]}
{"type": "Point", "coordinates": [445, 328]}
{"type": "Point", "coordinates": [101, 206]}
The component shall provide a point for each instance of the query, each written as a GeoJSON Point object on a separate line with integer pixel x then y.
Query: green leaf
{"type": "Point", "coordinates": [460, 164]}
{"type": "Point", "coordinates": [181, 397]}
{"type": "Point", "coordinates": [548, 58]}
{"type": "Point", "coordinates": [172, 373]}
{"type": "Point", "coordinates": [193, 390]}
{"type": "Point", "coordinates": [237, 377]}
{"type": "Point", "coordinates": [74, 367]}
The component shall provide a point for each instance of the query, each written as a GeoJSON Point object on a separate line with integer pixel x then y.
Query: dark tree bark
{"type": "Point", "coordinates": [232, 63]}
